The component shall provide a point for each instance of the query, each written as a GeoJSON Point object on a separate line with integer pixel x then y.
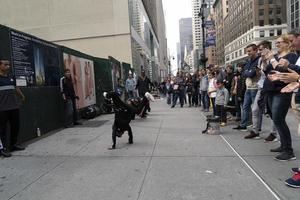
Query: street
{"type": "Point", "coordinates": [170, 160]}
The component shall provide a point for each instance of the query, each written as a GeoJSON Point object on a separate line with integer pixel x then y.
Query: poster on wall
{"type": "Point", "coordinates": [35, 62]}
{"type": "Point", "coordinates": [82, 73]}
{"type": "Point", "coordinates": [116, 72]}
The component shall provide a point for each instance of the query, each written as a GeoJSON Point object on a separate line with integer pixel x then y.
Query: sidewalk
{"type": "Point", "coordinates": [170, 160]}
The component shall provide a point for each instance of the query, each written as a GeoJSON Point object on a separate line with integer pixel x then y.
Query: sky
{"type": "Point", "coordinates": [175, 10]}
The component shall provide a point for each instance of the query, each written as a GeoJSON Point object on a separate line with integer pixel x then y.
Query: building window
{"type": "Point", "coordinates": [278, 21]}
{"type": "Point", "coordinates": [270, 11]}
{"type": "Point", "coordinates": [261, 2]}
{"type": "Point", "coordinates": [278, 11]}
{"type": "Point", "coordinates": [271, 21]}
{"type": "Point", "coordinates": [270, 1]}
{"type": "Point", "coordinates": [261, 33]}
{"type": "Point", "coordinates": [261, 12]}
{"type": "Point", "coordinates": [279, 32]}
{"type": "Point", "coordinates": [297, 5]}
{"type": "Point", "coordinates": [297, 23]}
{"type": "Point", "coordinates": [272, 33]}
{"type": "Point", "coordinates": [261, 23]}
{"type": "Point", "coordinates": [293, 26]}
{"type": "Point", "coordinates": [293, 17]}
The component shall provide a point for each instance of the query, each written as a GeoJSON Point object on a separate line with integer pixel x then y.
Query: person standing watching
{"type": "Point", "coordinates": [250, 73]}
{"type": "Point", "coordinates": [69, 97]}
{"type": "Point", "coordinates": [130, 86]}
{"type": "Point", "coordinates": [143, 84]}
{"type": "Point", "coordinates": [9, 110]}
{"type": "Point", "coordinates": [279, 103]}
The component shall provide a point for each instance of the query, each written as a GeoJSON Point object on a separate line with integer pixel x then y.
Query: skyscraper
{"type": "Point", "coordinates": [197, 26]}
{"type": "Point", "coordinates": [186, 38]}
{"type": "Point", "coordinates": [221, 11]}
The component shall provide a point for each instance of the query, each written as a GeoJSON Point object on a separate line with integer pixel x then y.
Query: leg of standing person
{"type": "Point", "coordinates": [198, 97]}
{"type": "Point", "coordinates": [182, 96]}
{"type": "Point", "coordinates": [14, 129]}
{"type": "Point", "coordinates": [246, 110]}
{"type": "Point", "coordinates": [75, 118]}
{"type": "Point", "coordinates": [190, 99]}
{"type": "Point", "coordinates": [257, 114]}
{"type": "Point", "coordinates": [237, 108]}
{"type": "Point", "coordinates": [175, 98]}
{"type": "Point", "coordinates": [213, 102]}
{"type": "Point", "coordinates": [279, 104]}
{"type": "Point", "coordinates": [4, 116]}
{"type": "Point", "coordinates": [272, 137]}
{"type": "Point", "coordinates": [206, 101]}
{"type": "Point", "coordinates": [223, 115]}
{"type": "Point", "coordinates": [3, 143]}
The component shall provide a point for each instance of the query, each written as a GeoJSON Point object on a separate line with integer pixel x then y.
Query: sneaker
{"type": "Point", "coordinates": [271, 138]}
{"type": "Point", "coordinates": [172, 106]}
{"type": "Point", "coordinates": [17, 147]}
{"type": "Point", "coordinates": [250, 125]}
{"type": "Point", "coordinates": [252, 135]}
{"type": "Point", "coordinates": [5, 153]}
{"type": "Point", "coordinates": [277, 150]}
{"type": "Point", "coordinates": [285, 157]}
{"type": "Point", "coordinates": [295, 170]}
{"type": "Point", "coordinates": [240, 128]}
{"type": "Point", "coordinates": [294, 181]}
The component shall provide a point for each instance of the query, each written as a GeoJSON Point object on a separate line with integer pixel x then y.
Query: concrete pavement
{"type": "Point", "coordinates": [170, 160]}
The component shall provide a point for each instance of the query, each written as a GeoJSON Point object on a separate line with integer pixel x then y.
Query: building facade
{"type": "Point", "coordinates": [186, 39]}
{"type": "Point", "coordinates": [252, 21]}
{"type": "Point", "coordinates": [293, 13]}
{"type": "Point", "coordinates": [125, 29]}
{"type": "Point", "coordinates": [197, 27]}
{"type": "Point", "coordinates": [221, 12]}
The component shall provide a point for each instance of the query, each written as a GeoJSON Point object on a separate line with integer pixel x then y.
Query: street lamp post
{"type": "Point", "coordinates": [201, 14]}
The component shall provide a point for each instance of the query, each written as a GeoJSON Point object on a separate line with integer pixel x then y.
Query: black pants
{"type": "Point", "coordinates": [221, 112]}
{"type": "Point", "coordinates": [13, 118]}
{"type": "Point", "coordinates": [195, 99]}
{"type": "Point", "coordinates": [70, 108]}
{"type": "Point", "coordinates": [117, 127]}
{"type": "Point", "coordinates": [279, 104]}
{"type": "Point", "coordinates": [213, 100]}
{"type": "Point", "coordinates": [190, 98]}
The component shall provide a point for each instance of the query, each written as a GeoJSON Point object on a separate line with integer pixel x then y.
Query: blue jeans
{"type": "Point", "coordinates": [279, 104]}
{"type": "Point", "coordinates": [248, 101]}
{"type": "Point", "coordinates": [205, 100]}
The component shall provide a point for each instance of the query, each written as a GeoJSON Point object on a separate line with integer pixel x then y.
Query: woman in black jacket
{"type": "Point", "coordinates": [279, 103]}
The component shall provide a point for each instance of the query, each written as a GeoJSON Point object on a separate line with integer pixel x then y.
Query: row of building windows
{"type": "Point", "coordinates": [272, 33]}
{"type": "Point", "coordinates": [262, 33]}
{"type": "Point", "coordinates": [262, 2]}
{"type": "Point", "coordinates": [271, 11]}
{"type": "Point", "coordinates": [271, 22]}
